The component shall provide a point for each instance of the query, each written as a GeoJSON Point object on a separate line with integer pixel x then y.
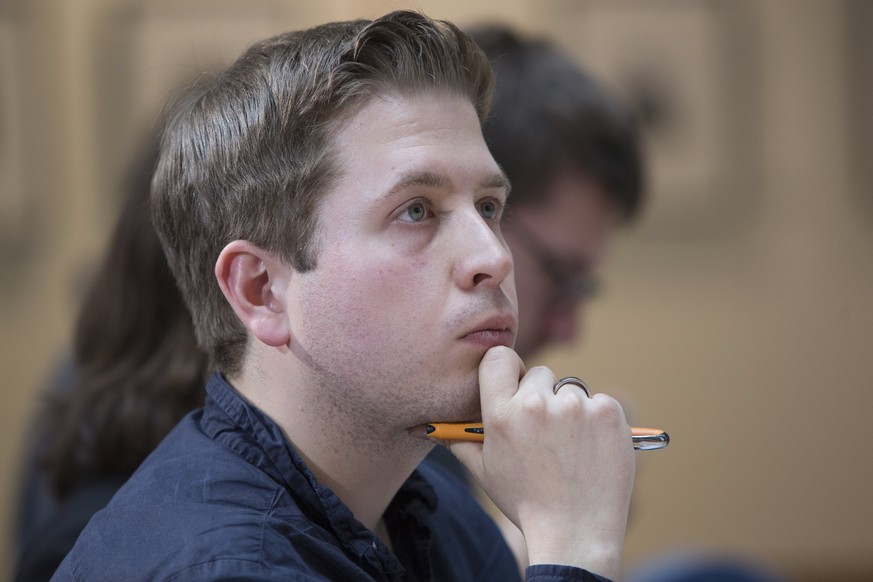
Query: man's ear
{"type": "Point", "coordinates": [253, 281]}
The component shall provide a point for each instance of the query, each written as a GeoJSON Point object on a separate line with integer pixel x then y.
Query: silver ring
{"type": "Point", "coordinates": [571, 380]}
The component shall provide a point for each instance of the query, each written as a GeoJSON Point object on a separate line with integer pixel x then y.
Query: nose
{"type": "Point", "coordinates": [483, 257]}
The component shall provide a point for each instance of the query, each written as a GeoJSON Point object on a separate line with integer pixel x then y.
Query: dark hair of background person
{"type": "Point", "coordinates": [548, 115]}
{"type": "Point", "coordinates": [137, 366]}
{"type": "Point", "coordinates": [135, 371]}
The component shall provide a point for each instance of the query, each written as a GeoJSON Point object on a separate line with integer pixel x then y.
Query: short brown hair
{"type": "Point", "coordinates": [248, 154]}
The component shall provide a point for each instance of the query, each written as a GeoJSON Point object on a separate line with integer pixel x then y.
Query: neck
{"type": "Point", "coordinates": [364, 462]}
{"type": "Point", "coordinates": [366, 483]}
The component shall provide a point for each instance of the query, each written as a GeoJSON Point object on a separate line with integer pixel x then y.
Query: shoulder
{"type": "Point", "coordinates": [193, 506]}
{"type": "Point", "coordinates": [190, 467]}
{"type": "Point", "coordinates": [219, 568]}
{"type": "Point", "coordinates": [197, 534]}
{"type": "Point", "coordinates": [44, 550]}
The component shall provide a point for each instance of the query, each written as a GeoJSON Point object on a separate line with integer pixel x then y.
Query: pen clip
{"type": "Point", "coordinates": [649, 439]}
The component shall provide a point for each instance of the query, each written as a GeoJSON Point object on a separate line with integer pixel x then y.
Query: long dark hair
{"type": "Point", "coordinates": [138, 368]}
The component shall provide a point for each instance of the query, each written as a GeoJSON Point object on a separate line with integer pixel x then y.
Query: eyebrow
{"type": "Point", "coordinates": [441, 181]}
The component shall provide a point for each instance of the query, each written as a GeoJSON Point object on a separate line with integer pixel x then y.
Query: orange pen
{"type": "Point", "coordinates": [644, 439]}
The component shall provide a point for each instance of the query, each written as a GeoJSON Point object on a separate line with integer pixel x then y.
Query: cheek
{"type": "Point", "coordinates": [373, 296]}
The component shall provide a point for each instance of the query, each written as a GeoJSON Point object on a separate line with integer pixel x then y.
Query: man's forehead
{"type": "Point", "coordinates": [413, 140]}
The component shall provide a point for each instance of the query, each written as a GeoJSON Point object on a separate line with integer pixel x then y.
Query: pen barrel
{"type": "Point", "coordinates": [457, 431]}
{"type": "Point", "coordinates": [644, 439]}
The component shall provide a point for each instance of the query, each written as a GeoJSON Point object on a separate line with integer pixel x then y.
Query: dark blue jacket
{"type": "Point", "coordinates": [226, 497]}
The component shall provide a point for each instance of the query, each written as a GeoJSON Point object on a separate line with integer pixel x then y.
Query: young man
{"type": "Point", "coordinates": [332, 215]}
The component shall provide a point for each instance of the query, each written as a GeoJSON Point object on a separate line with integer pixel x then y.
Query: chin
{"type": "Point", "coordinates": [450, 401]}
{"type": "Point", "coordinates": [470, 411]}
{"type": "Point", "coordinates": [446, 411]}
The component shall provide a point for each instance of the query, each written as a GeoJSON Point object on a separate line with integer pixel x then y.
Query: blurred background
{"type": "Point", "coordinates": [738, 313]}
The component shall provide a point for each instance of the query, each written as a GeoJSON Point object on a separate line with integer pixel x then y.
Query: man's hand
{"type": "Point", "coordinates": [560, 466]}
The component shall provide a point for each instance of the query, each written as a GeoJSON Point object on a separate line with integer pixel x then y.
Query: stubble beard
{"type": "Point", "coordinates": [368, 407]}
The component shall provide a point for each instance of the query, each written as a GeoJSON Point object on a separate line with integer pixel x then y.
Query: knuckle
{"type": "Point", "coordinates": [607, 410]}
{"type": "Point", "coordinates": [533, 403]}
{"type": "Point", "coordinates": [571, 405]}
{"type": "Point", "coordinates": [540, 372]}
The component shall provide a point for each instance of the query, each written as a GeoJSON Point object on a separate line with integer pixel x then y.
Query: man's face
{"type": "Point", "coordinates": [413, 281]}
{"type": "Point", "coordinates": [555, 246]}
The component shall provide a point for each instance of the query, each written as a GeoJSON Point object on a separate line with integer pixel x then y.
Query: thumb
{"type": "Point", "coordinates": [499, 373]}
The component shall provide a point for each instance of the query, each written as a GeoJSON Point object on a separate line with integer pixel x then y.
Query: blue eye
{"type": "Point", "coordinates": [490, 209]}
{"type": "Point", "coordinates": [415, 212]}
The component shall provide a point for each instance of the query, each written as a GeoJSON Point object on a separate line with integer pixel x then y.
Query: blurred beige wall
{"type": "Point", "coordinates": [738, 313]}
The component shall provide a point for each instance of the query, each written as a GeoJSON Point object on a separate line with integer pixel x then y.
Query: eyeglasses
{"type": "Point", "coordinates": [572, 281]}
